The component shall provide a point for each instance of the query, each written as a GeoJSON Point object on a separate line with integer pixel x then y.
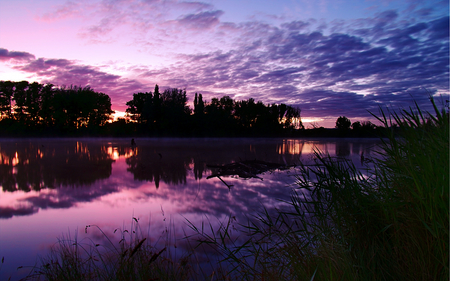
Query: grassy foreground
{"type": "Point", "coordinates": [388, 223]}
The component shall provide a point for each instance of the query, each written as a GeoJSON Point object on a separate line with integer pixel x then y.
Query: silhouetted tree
{"type": "Point", "coordinates": [6, 94]}
{"type": "Point", "coordinates": [219, 118]}
{"type": "Point", "coordinates": [343, 123]}
{"type": "Point", "coordinates": [356, 126]}
{"type": "Point", "coordinates": [33, 103]}
{"type": "Point", "coordinates": [77, 107]}
{"type": "Point", "coordinates": [47, 106]}
{"type": "Point", "coordinates": [34, 106]}
{"type": "Point", "coordinates": [174, 111]}
{"type": "Point", "coordinates": [292, 118]}
{"type": "Point", "coordinates": [199, 106]}
{"type": "Point", "coordinates": [139, 107]}
{"type": "Point", "coordinates": [19, 98]}
{"type": "Point", "coordinates": [367, 125]}
{"type": "Point", "coordinates": [156, 108]}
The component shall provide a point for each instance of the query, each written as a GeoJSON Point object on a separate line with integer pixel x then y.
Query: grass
{"type": "Point", "coordinates": [132, 258]}
{"type": "Point", "coordinates": [390, 223]}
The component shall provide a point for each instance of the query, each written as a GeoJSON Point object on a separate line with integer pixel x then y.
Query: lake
{"type": "Point", "coordinates": [53, 188]}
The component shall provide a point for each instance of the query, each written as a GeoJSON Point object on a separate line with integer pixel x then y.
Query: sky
{"type": "Point", "coordinates": [329, 58]}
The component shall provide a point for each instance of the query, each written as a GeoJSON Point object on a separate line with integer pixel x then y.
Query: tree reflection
{"type": "Point", "coordinates": [170, 162]}
{"type": "Point", "coordinates": [166, 166]}
{"type": "Point", "coordinates": [48, 167]}
{"type": "Point", "coordinates": [31, 166]}
{"type": "Point", "coordinates": [343, 148]}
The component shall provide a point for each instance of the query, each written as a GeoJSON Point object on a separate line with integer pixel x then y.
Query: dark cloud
{"type": "Point", "coordinates": [440, 28]}
{"type": "Point", "coordinates": [357, 73]}
{"type": "Point", "coordinates": [6, 55]}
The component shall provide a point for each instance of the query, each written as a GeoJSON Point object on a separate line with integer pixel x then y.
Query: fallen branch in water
{"type": "Point", "coordinates": [244, 169]}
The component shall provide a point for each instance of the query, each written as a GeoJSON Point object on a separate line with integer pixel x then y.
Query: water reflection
{"type": "Point", "coordinates": [54, 185]}
{"type": "Point", "coordinates": [73, 167]}
{"type": "Point", "coordinates": [149, 164]}
{"type": "Point", "coordinates": [30, 166]}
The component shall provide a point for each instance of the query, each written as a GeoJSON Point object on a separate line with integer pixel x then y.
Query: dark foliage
{"type": "Point", "coordinates": [167, 114]}
{"type": "Point", "coordinates": [33, 109]}
{"type": "Point", "coordinates": [37, 109]}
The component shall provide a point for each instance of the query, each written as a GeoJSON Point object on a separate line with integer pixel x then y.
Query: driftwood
{"type": "Point", "coordinates": [244, 169]}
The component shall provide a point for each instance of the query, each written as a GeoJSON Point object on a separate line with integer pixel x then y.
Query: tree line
{"type": "Point", "coordinates": [167, 113]}
{"type": "Point", "coordinates": [34, 108]}
{"type": "Point", "coordinates": [37, 109]}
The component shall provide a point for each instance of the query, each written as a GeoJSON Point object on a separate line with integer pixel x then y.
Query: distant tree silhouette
{"type": "Point", "coordinates": [47, 106]}
{"type": "Point", "coordinates": [6, 94]}
{"type": "Point", "coordinates": [219, 118]}
{"type": "Point", "coordinates": [367, 125]}
{"type": "Point", "coordinates": [174, 111]}
{"type": "Point", "coordinates": [156, 113]}
{"type": "Point", "coordinates": [343, 123]}
{"type": "Point", "coordinates": [33, 102]}
{"type": "Point", "coordinates": [77, 107]}
{"type": "Point", "coordinates": [32, 107]}
{"type": "Point", "coordinates": [199, 105]}
{"type": "Point", "coordinates": [19, 98]}
{"type": "Point", "coordinates": [139, 107]}
{"type": "Point", "coordinates": [156, 108]}
{"type": "Point", "coordinates": [356, 125]}
{"type": "Point", "coordinates": [36, 106]}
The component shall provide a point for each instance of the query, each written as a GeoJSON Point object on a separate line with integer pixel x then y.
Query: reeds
{"type": "Point", "coordinates": [132, 258]}
{"type": "Point", "coordinates": [389, 223]}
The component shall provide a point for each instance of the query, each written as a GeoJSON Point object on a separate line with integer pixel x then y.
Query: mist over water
{"type": "Point", "coordinates": [56, 187]}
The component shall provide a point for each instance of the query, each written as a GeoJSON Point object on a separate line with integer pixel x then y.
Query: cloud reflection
{"type": "Point", "coordinates": [81, 171]}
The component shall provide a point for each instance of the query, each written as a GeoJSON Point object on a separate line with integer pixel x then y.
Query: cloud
{"type": "Point", "coordinates": [66, 10]}
{"type": "Point", "coordinates": [6, 55]}
{"type": "Point", "coordinates": [202, 20]}
{"type": "Point", "coordinates": [295, 25]}
{"type": "Point", "coordinates": [357, 63]}
{"type": "Point", "coordinates": [63, 72]}
{"type": "Point", "coordinates": [355, 72]}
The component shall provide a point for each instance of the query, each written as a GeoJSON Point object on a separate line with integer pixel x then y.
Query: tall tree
{"type": "Point", "coordinates": [20, 98]}
{"type": "Point", "coordinates": [6, 94]}
{"type": "Point", "coordinates": [174, 111]}
{"type": "Point", "coordinates": [156, 108]}
{"type": "Point", "coordinates": [33, 102]}
{"type": "Point", "coordinates": [199, 105]}
{"type": "Point", "coordinates": [47, 105]}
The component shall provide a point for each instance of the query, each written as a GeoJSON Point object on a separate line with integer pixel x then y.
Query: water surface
{"type": "Point", "coordinates": [55, 187]}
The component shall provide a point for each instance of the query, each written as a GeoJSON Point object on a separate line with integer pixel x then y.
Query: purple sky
{"type": "Point", "coordinates": [328, 57]}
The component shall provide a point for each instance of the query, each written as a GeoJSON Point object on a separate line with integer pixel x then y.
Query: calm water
{"type": "Point", "coordinates": [55, 187]}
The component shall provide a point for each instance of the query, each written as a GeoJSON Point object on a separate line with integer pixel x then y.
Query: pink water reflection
{"type": "Point", "coordinates": [55, 187]}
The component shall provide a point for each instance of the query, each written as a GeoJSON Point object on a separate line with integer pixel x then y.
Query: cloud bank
{"type": "Point", "coordinates": [327, 69]}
